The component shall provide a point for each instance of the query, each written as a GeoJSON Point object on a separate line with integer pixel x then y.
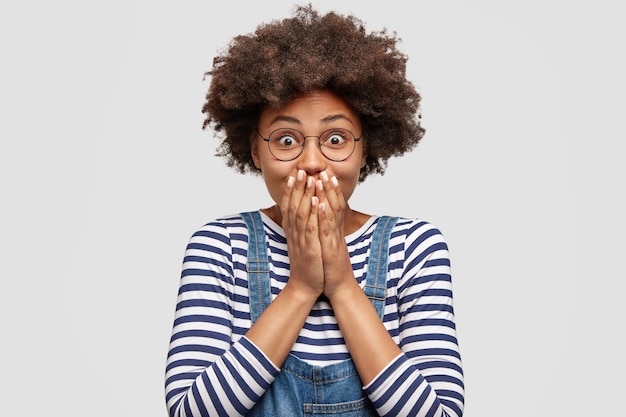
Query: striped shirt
{"type": "Point", "coordinates": [214, 370]}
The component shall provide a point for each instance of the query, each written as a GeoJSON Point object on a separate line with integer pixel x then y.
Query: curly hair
{"type": "Point", "coordinates": [306, 52]}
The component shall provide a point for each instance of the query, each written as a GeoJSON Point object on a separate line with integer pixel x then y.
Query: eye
{"type": "Point", "coordinates": [335, 139]}
{"type": "Point", "coordinates": [285, 139]}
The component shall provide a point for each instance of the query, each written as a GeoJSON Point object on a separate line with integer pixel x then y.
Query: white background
{"type": "Point", "coordinates": [105, 173]}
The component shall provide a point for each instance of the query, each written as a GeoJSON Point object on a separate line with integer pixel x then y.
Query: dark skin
{"type": "Point", "coordinates": [311, 195]}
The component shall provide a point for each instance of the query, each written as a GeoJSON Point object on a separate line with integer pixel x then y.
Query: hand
{"type": "Point", "coordinates": [299, 208]}
{"type": "Point", "coordinates": [335, 257]}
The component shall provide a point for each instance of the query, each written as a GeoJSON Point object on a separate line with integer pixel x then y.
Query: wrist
{"type": "Point", "coordinates": [345, 293]}
{"type": "Point", "coordinates": [300, 293]}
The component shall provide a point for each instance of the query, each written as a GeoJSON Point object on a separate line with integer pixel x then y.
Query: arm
{"type": "Point", "coordinates": [206, 373]}
{"type": "Point", "coordinates": [370, 345]}
{"type": "Point", "coordinates": [278, 327]}
{"type": "Point", "coordinates": [427, 378]}
{"type": "Point", "coordinates": [422, 375]}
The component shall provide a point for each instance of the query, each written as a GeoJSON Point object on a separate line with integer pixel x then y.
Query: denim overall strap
{"type": "Point", "coordinates": [302, 389]}
{"type": "Point", "coordinates": [258, 267]}
{"type": "Point", "coordinates": [377, 266]}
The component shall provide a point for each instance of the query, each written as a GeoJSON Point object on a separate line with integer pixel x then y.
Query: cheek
{"type": "Point", "coordinates": [348, 179]}
{"type": "Point", "coordinates": [275, 178]}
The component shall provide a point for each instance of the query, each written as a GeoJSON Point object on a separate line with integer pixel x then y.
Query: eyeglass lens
{"type": "Point", "coordinates": [288, 144]}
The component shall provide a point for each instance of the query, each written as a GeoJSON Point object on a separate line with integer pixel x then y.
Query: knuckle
{"type": "Point", "coordinates": [301, 215]}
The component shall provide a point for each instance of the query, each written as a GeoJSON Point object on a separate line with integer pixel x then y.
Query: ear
{"type": "Point", "coordinates": [254, 151]}
{"type": "Point", "coordinates": [363, 156]}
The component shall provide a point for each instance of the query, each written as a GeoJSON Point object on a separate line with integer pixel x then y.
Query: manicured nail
{"type": "Point", "coordinates": [290, 181]}
{"type": "Point", "coordinates": [313, 201]}
{"type": "Point", "coordinates": [300, 175]}
{"type": "Point", "coordinates": [334, 181]}
{"type": "Point", "coordinates": [324, 175]}
{"type": "Point", "coordinates": [309, 182]}
{"type": "Point", "coordinates": [323, 207]}
{"type": "Point", "coordinates": [320, 185]}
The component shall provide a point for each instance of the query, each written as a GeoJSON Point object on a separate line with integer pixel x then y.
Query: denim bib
{"type": "Point", "coordinates": [301, 389]}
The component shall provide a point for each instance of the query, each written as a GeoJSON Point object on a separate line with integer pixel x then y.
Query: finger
{"type": "Point", "coordinates": [320, 191]}
{"type": "Point", "coordinates": [327, 218]}
{"type": "Point", "coordinates": [303, 213]}
{"type": "Point", "coordinates": [284, 202]}
{"type": "Point", "coordinates": [311, 234]}
{"type": "Point", "coordinates": [333, 192]}
{"type": "Point", "coordinates": [324, 222]}
{"type": "Point", "coordinates": [291, 199]}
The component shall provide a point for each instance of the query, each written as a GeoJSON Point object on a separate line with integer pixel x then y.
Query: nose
{"type": "Point", "coordinates": [311, 160]}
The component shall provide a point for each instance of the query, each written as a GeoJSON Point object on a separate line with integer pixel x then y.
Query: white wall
{"type": "Point", "coordinates": [105, 173]}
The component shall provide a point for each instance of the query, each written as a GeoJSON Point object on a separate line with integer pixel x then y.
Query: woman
{"type": "Point", "coordinates": [308, 306]}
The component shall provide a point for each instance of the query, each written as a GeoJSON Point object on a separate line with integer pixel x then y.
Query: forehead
{"type": "Point", "coordinates": [315, 108]}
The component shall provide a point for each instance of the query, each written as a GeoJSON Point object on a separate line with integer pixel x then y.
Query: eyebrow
{"type": "Point", "coordinates": [325, 120]}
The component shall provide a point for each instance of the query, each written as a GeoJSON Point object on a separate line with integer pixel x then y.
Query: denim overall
{"type": "Point", "coordinates": [302, 389]}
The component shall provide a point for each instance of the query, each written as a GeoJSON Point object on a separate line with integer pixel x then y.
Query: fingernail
{"type": "Point", "coordinates": [313, 201]}
{"type": "Point", "coordinates": [334, 181]}
{"type": "Point", "coordinates": [309, 182]}
{"type": "Point", "coordinates": [323, 207]}
{"type": "Point", "coordinates": [300, 175]}
{"type": "Point", "coordinates": [324, 175]}
{"type": "Point", "coordinates": [290, 181]}
{"type": "Point", "coordinates": [320, 185]}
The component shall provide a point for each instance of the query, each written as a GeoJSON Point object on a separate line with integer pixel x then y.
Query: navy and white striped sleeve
{"type": "Point", "coordinates": [427, 378]}
{"type": "Point", "coordinates": [206, 373]}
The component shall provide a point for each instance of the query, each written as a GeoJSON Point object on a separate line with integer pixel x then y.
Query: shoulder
{"type": "Point", "coordinates": [232, 222]}
{"type": "Point", "coordinates": [403, 229]}
{"type": "Point", "coordinates": [413, 228]}
{"type": "Point", "coordinates": [225, 229]}
{"type": "Point", "coordinates": [417, 235]}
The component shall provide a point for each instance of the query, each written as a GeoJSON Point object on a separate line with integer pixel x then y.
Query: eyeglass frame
{"type": "Point", "coordinates": [319, 144]}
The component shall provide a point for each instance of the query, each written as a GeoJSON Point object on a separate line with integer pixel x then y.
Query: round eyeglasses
{"type": "Point", "coordinates": [287, 144]}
